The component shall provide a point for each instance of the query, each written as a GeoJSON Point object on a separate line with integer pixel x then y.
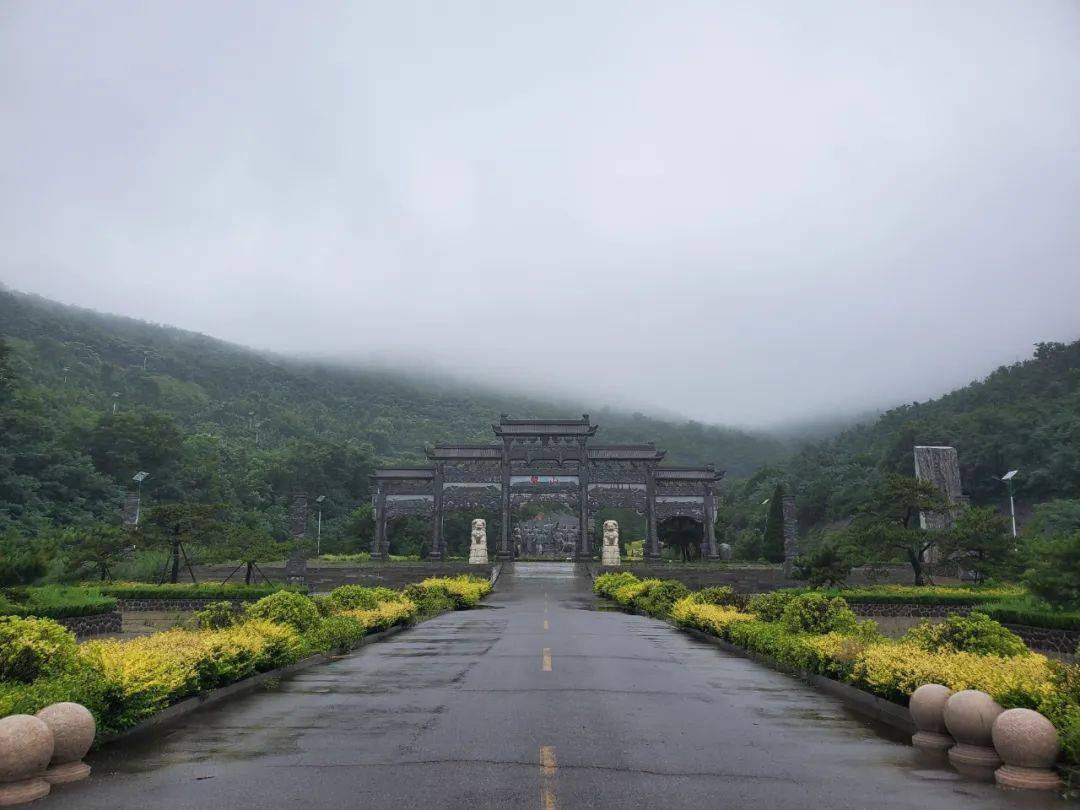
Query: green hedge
{"type": "Point", "coordinates": [926, 594]}
{"type": "Point", "coordinates": [201, 590]}
{"type": "Point", "coordinates": [54, 602]}
{"type": "Point", "coordinates": [1021, 611]}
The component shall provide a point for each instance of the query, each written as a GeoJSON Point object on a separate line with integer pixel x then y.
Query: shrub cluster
{"type": "Point", "coordinates": [975, 633]}
{"type": "Point", "coordinates": [465, 590]}
{"type": "Point", "coordinates": [123, 682]}
{"type": "Point", "coordinates": [818, 633]}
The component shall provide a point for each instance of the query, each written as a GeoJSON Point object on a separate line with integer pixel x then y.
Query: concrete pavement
{"type": "Point", "coordinates": [539, 699]}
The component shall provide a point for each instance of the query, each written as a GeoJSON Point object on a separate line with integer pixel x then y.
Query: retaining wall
{"type": "Point", "coordinates": [94, 624]}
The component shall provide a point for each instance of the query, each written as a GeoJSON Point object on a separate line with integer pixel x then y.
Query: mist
{"type": "Point", "coordinates": [749, 214]}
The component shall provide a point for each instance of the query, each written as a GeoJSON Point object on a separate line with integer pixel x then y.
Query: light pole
{"type": "Point", "coordinates": [1008, 479]}
{"type": "Point", "coordinates": [139, 477]}
{"type": "Point", "coordinates": [318, 529]}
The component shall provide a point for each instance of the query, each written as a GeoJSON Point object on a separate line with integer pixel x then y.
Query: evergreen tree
{"type": "Point", "coordinates": [772, 546]}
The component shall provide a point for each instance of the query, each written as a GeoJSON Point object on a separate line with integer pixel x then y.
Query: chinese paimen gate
{"type": "Point", "coordinates": [547, 460]}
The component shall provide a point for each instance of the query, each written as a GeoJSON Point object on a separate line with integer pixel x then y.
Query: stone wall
{"type": "Point", "coordinates": [94, 624]}
{"type": "Point", "coordinates": [169, 605]}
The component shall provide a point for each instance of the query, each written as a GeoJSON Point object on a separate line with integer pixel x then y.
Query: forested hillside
{"type": "Point", "coordinates": [90, 399]}
{"type": "Point", "coordinates": [1023, 416]}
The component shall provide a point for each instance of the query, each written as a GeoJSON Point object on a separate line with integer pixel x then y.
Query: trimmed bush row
{"type": "Point", "coordinates": [54, 602]}
{"type": "Point", "coordinates": [192, 590]}
{"type": "Point", "coordinates": [817, 632]}
{"type": "Point", "coordinates": [927, 595]}
{"type": "Point", "coordinates": [1006, 603]}
{"type": "Point", "coordinates": [1021, 611]}
{"type": "Point", "coordinates": [124, 682]}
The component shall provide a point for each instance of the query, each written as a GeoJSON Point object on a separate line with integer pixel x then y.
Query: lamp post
{"type": "Point", "coordinates": [1008, 479]}
{"type": "Point", "coordinates": [318, 525]}
{"type": "Point", "coordinates": [138, 478]}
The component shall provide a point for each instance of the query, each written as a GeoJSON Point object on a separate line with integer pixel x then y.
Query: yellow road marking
{"type": "Point", "coordinates": [546, 666]}
{"type": "Point", "coordinates": [547, 777]}
{"type": "Point", "coordinates": [546, 625]}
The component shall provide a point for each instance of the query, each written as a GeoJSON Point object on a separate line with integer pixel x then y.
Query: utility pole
{"type": "Point", "coordinates": [318, 529]}
{"type": "Point", "coordinates": [1008, 479]}
{"type": "Point", "coordinates": [139, 477]}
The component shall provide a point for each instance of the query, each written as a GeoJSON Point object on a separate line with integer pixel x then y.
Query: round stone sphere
{"type": "Point", "coordinates": [927, 707]}
{"type": "Point", "coordinates": [1025, 738]}
{"type": "Point", "coordinates": [73, 730]}
{"type": "Point", "coordinates": [970, 716]}
{"type": "Point", "coordinates": [26, 746]}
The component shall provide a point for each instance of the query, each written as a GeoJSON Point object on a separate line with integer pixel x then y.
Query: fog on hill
{"type": "Point", "coordinates": [741, 214]}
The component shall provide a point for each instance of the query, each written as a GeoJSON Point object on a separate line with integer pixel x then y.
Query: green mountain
{"type": "Point", "coordinates": [1023, 416]}
{"type": "Point", "coordinates": [89, 399]}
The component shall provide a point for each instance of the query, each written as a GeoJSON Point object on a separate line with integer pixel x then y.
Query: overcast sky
{"type": "Point", "coordinates": [741, 212]}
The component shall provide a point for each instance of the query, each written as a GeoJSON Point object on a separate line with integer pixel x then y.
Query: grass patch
{"type": "Point", "coordinates": [54, 601]}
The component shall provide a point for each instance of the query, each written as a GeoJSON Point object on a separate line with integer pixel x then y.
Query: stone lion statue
{"type": "Point", "coordinates": [610, 552]}
{"type": "Point", "coordinates": [479, 532]}
{"type": "Point", "coordinates": [478, 553]}
{"type": "Point", "coordinates": [611, 533]}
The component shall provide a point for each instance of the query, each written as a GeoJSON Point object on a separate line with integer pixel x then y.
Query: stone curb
{"type": "Point", "coordinates": [178, 711]}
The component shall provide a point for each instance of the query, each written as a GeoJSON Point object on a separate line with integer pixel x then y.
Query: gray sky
{"type": "Point", "coordinates": [741, 212]}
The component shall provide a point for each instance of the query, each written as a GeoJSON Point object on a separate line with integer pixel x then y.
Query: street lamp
{"type": "Point", "coordinates": [318, 530]}
{"type": "Point", "coordinates": [1008, 479]}
{"type": "Point", "coordinates": [138, 478]}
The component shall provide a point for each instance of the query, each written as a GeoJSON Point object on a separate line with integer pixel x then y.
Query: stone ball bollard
{"type": "Point", "coordinates": [1028, 743]}
{"type": "Point", "coordinates": [26, 746]}
{"type": "Point", "coordinates": [73, 731]}
{"type": "Point", "coordinates": [969, 718]}
{"type": "Point", "coordinates": [927, 707]}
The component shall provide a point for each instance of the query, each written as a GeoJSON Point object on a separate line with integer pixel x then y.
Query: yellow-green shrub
{"type": "Point", "coordinates": [627, 594]}
{"type": "Point", "coordinates": [895, 670]}
{"type": "Point", "coordinates": [286, 607]}
{"type": "Point", "coordinates": [715, 619]}
{"type": "Point", "coordinates": [337, 633]}
{"type": "Point", "coordinates": [31, 647]}
{"type": "Point", "coordinates": [607, 584]}
{"type": "Point", "coordinates": [465, 590]}
{"type": "Point", "coordinates": [384, 615]}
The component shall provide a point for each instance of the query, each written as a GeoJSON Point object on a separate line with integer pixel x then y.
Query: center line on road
{"type": "Point", "coordinates": [546, 665]}
{"type": "Point", "coordinates": [547, 777]}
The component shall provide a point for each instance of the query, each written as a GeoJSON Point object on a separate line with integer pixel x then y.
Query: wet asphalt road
{"type": "Point", "coordinates": [539, 699]}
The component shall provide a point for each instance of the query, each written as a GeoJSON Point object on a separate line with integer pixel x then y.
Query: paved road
{"type": "Point", "coordinates": [541, 699]}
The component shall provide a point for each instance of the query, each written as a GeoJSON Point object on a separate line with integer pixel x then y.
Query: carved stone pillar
{"type": "Point", "coordinates": [791, 534]}
{"type": "Point", "coordinates": [504, 552]}
{"type": "Point", "coordinates": [437, 550]}
{"type": "Point", "coordinates": [652, 538]}
{"type": "Point", "coordinates": [709, 550]}
{"type": "Point", "coordinates": [296, 564]}
{"type": "Point", "coordinates": [380, 549]}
